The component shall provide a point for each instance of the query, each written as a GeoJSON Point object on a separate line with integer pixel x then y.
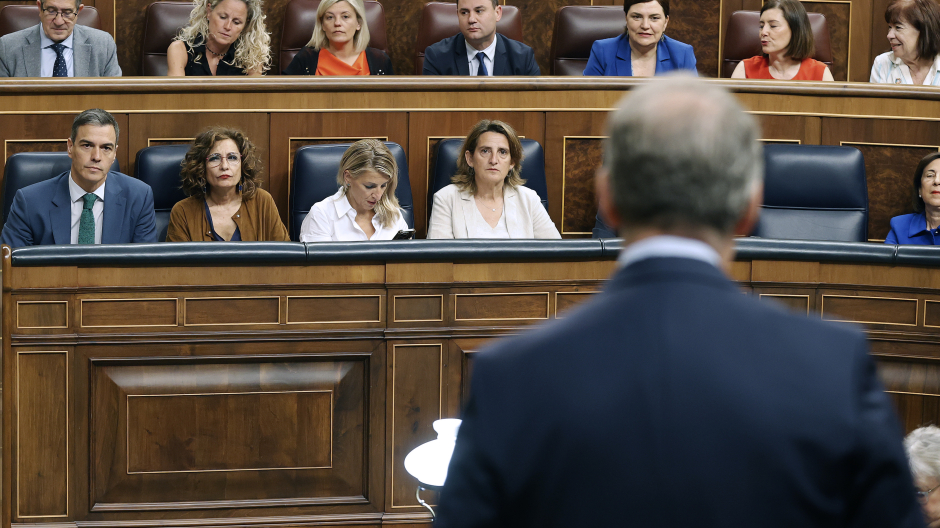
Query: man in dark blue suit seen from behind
{"type": "Point", "coordinates": [671, 399]}
{"type": "Point", "coordinates": [87, 204]}
{"type": "Point", "coordinates": [478, 50]}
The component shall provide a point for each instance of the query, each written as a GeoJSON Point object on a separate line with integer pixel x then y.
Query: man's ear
{"type": "Point", "coordinates": [605, 199]}
{"type": "Point", "coordinates": [499, 12]}
{"type": "Point", "coordinates": [748, 221]}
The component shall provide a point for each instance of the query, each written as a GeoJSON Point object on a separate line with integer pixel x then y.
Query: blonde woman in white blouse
{"type": "Point", "coordinates": [486, 198]}
{"type": "Point", "coordinates": [365, 206]}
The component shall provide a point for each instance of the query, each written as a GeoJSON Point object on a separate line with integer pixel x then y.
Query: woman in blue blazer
{"type": "Point", "coordinates": [922, 227]}
{"type": "Point", "coordinates": [643, 50]}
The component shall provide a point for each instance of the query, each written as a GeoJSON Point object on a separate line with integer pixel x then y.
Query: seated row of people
{"type": "Point", "coordinates": [221, 173]}
{"type": "Point", "coordinates": [228, 37]}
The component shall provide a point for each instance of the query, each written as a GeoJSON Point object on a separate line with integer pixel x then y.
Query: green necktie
{"type": "Point", "coordinates": [86, 224]}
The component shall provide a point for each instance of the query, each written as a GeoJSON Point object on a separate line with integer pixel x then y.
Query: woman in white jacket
{"type": "Point", "coordinates": [486, 198]}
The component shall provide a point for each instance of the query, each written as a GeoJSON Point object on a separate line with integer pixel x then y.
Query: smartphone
{"type": "Point", "coordinates": [405, 234]}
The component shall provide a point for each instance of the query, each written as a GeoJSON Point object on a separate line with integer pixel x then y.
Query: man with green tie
{"type": "Point", "coordinates": [89, 204]}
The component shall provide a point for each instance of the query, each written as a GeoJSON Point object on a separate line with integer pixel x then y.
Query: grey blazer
{"type": "Point", "coordinates": [95, 54]}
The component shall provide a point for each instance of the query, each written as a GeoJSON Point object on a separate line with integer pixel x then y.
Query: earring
{"type": "Point", "coordinates": [239, 187]}
{"type": "Point", "coordinates": [204, 190]}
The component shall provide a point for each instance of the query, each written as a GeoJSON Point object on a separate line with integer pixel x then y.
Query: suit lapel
{"type": "Point", "coordinates": [114, 202]}
{"type": "Point", "coordinates": [511, 210]}
{"type": "Point", "coordinates": [501, 57]}
{"type": "Point", "coordinates": [81, 50]}
{"type": "Point", "coordinates": [460, 56]}
{"type": "Point", "coordinates": [624, 63]}
{"type": "Point", "coordinates": [466, 209]}
{"type": "Point", "coordinates": [32, 54]}
{"type": "Point", "coordinates": [60, 214]}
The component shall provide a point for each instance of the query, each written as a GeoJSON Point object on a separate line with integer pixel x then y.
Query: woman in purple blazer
{"type": "Point", "coordinates": [643, 50]}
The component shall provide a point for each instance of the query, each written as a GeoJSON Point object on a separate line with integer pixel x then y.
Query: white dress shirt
{"type": "Point", "coordinates": [892, 70]}
{"type": "Point", "coordinates": [48, 55]}
{"type": "Point", "coordinates": [76, 194]}
{"type": "Point", "coordinates": [335, 219]}
{"type": "Point", "coordinates": [668, 246]}
{"type": "Point", "coordinates": [489, 52]}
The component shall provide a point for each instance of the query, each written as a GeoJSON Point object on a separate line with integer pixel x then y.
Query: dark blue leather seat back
{"type": "Point", "coordinates": [27, 168]}
{"type": "Point", "coordinates": [159, 167]}
{"type": "Point", "coordinates": [445, 165]}
{"type": "Point", "coordinates": [313, 178]}
{"type": "Point", "coordinates": [814, 192]}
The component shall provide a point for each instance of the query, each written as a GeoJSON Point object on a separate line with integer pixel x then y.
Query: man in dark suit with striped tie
{"type": "Point", "coordinates": [671, 399]}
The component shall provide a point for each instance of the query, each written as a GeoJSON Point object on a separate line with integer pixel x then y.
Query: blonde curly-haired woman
{"type": "Point", "coordinates": [224, 37]}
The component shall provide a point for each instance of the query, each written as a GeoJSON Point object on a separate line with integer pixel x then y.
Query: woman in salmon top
{"type": "Point", "coordinates": [786, 41]}
{"type": "Point", "coordinates": [339, 45]}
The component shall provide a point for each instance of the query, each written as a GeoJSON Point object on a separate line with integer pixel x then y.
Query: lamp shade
{"type": "Point", "coordinates": [428, 462]}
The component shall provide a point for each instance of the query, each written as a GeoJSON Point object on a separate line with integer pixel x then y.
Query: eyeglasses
{"type": "Point", "coordinates": [52, 13]}
{"type": "Point", "coordinates": [924, 495]}
{"type": "Point", "coordinates": [215, 160]}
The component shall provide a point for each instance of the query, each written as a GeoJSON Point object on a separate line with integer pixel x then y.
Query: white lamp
{"type": "Point", "coordinates": [428, 462]}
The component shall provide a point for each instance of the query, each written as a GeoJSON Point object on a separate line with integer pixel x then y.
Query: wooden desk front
{"type": "Point", "coordinates": [290, 394]}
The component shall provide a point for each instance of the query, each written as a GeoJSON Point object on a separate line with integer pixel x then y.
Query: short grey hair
{"type": "Point", "coordinates": [923, 451]}
{"type": "Point", "coordinates": [682, 153]}
{"type": "Point", "coordinates": [96, 117]}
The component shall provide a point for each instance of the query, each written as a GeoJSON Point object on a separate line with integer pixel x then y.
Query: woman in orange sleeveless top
{"type": "Point", "coordinates": [339, 45]}
{"type": "Point", "coordinates": [786, 41]}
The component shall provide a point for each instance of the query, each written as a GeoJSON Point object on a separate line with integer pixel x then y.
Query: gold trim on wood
{"type": "Point", "coordinates": [187, 299]}
{"type": "Point", "coordinates": [67, 440]}
{"type": "Point", "coordinates": [7, 141]}
{"type": "Point", "coordinates": [18, 303]}
{"type": "Point", "coordinates": [822, 309]}
{"type": "Point", "coordinates": [289, 297]}
{"type": "Point", "coordinates": [926, 302]}
{"type": "Point", "coordinates": [81, 312]}
{"type": "Point", "coordinates": [395, 309]}
{"type": "Point", "coordinates": [570, 293]}
{"type": "Point", "coordinates": [786, 295]}
{"type": "Point", "coordinates": [795, 141]}
{"type": "Point", "coordinates": [547, 310]}
{"type": "Point", "coordinates": [127, 431]}
{"type": "Point", "coordinates": [844, 143]}
{"type": "Point", "coordinates": [440, 408]}
{"type": "Point", "coordinates": [564, 168]}
{"type": "Point", "coordinates": [151, 140]}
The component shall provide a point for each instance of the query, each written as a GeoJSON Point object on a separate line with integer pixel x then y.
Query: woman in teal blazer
{"type": "Point", "coordinates": [643, 46]}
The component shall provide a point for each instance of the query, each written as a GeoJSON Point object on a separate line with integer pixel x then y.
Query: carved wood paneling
{"type": "Point", "coordinates": [415, 401]}
{"type": "Point", "coordinates": [240, 311]}
{"type": "Point", "coordinates": [335, 309]}
{"type": "Point", "coordinates": [501, 306]}
{"type": "Point", "coordinates": [889, 170]}
{"type": "Point", "coordinates": [579, 205]}
{"type": "Point", "coordinates": [42, 457]}
{"type": "Point", "coordinates": [184, 433]}
{"type": "Point", "coordinates": [870, 310]}
{"type": "Point", "coordinates": [42, 314]}
{"type": "Point", "coordinates": [838, 17]}
{"type": "Point", "coordinates": [128, 312]}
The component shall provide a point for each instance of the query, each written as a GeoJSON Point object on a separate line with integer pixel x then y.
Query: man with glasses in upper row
{"type": "Point", "coordinates": [57, 47]}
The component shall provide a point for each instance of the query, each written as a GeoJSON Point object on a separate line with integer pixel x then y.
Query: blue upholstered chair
{"type": "Point", "coordinates": [445, 165]}
{"type": "Point", "coordinates": [814, 192]}
{"type": "Point", "coordinates": [159, 167]}
{"type": "Point", "coordinates": [27, 168]}
{"type": "Point", "coordinates": [313, 178]}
